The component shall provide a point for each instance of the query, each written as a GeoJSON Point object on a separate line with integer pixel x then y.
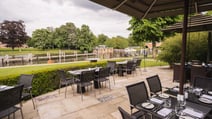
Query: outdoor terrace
{"type": "Point", "coordinates": [104, 106]}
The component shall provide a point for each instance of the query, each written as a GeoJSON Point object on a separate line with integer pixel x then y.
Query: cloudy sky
{"type": "Point", "coordinates": [38, 14]}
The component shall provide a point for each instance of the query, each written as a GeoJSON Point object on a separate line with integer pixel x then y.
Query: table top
{"type": "Point", "coordinates": [4, 87]}
{"type": "Point", "coordinates": [158, 107]}
{"type": "Point", "coordinates": [79, 71]}
{"type": "Point", "coordinates": [122, 62]}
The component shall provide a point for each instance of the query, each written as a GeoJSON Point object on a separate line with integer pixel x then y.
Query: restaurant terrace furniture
{"type": "Point", "coordinates": [129, 68]}
{"type": "Point", "coordinates": [138, 63]}
{"type": "Point", "coordinates": [203, 82]}
{"type": "Point", "coordinates": [120, 66]}
{"type": "Point", "coordinates": [9, 100]}
{"type": "Point", "coordinates": [154, 84]}
{"type": "Point", "coordinates": [86, 79]}
{"type": "Point", "coordinates": [113, 70]}
{"type": "Point", "coordinates": [26, 80]}
{"type": "Point", "coordinates": [103, 76]}
{"type": "Point", "coordinates": [137, 94]}
{"type": "Point", "coordinates": [197, 70]}
{"type": "Point", "coordinates": [177, 70]}
{"type": "Point", "coordinates": [126, 115]}
{"type": "Point", "coordinates": [65, 81]}
{"type": "Point", "coordinates": [196, 62]}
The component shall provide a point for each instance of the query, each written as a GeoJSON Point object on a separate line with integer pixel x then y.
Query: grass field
{"type": "Point", "coordinates": [16, 71]}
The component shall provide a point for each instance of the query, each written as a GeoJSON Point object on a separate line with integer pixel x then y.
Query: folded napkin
{"type": "Point", "coordinates": [3, 86]}
{"type": "Point", "coordinates": [198, 89]}
{"type": "Point", "coordinates": [206, 96]}
{"type": "Point", "coordinates": [176, 89]}
{"type": "Point", "coordinates": [193, 112]}
{"type": "Point", "coordinates": [155, 100]}
{"type": "Point", "coordinates": [164, 112]}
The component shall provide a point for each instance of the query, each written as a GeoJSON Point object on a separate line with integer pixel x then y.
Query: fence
{"type": "Point", "coordinates": [30, 59]}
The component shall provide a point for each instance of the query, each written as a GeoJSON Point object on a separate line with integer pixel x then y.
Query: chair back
{"type": "Point", "coordinates": [87, 76]}
{"type": "Point", "coordinates": [112, 65]}
{"type": "Point", "coordinates": [202, 82]}
{"type": "Point", "coordinates": [62, 75]}
{"type": "Point", "coordinates": [177, 71]}
{"type": "Point", "coordinates": [124, 114]}
{"type": "Point", "coordinates": [131, 65]}
{"type": "Point", "coordinates": [26, 80]}
{"type": "Point", "coordinates": [104, 72]}
{"type": "Point", "coordinates": [10, 97]}
{"type": "Point", "coordinates": [137, 93]}
{"type": "Point", "coordinates": [154, 84]}
{"type": "Point", "coordinates": [198, 71]}
{"type": "Point", "coordinates": [137, 62]}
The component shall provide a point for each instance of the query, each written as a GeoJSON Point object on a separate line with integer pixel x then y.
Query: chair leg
{"type": "Point", "coordinates": [22, 115]}
{"type": "Point", "coordinates": [32, 99]}
{"type": "Point", "coordinates": [109, 85]}
{"type": "Point", "coordinates": [72, 88]}
{"type": "Point", "coordinates": [99, 87]}
{"type": "Point", "coordinates": [65, 90]}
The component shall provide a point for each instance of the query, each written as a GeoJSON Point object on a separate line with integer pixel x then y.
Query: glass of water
{"type": "Point", "coordinates": [178, 109]}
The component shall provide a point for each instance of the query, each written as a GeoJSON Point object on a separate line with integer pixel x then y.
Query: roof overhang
{"type": "Point", "coordinates": [155, 8]}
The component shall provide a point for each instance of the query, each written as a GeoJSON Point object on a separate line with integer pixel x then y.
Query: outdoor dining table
{"type": "Point", "coordinates": [192, 97]}
{"type": "Point", "coordinates": [158, 107]}
{"type": "Point", "coordinates": [5, 87]}
{"type": "Point", "coordinates": [120, 66]}
{"type": "Point", "coordinates": [77, 73]}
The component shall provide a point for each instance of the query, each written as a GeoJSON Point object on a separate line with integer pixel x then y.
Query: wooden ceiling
{"type": "Point", "coordinates": [195, 23]}
{"type": "Point", "coordinates": [155, 8]}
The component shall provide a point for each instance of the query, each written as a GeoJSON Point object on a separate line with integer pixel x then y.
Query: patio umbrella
{"type": "Point", "coordinates": [160, 8]}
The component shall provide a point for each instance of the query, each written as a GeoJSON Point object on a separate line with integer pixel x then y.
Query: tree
{"type": "Point", "coordinates": [40, 39]}
{"type": "Point", "coordinates": [101, 39]}
{"type": "Point", "coordinates": [150, 29]}
{"type": "Point", "coordinates": [87, 40]}
{"type": "Point", "coordinates": [13, 33]}
{"type": "Point", "coordinates": [117, 42]}
{"type": "Point", "coordinates": [66, 36]}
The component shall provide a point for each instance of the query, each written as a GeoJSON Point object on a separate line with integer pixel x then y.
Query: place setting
{"type": "Point", "coordinates": [205, 99]}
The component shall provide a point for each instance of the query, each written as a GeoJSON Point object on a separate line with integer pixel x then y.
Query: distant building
{"type": "Point", "coordinates": [103, 52]}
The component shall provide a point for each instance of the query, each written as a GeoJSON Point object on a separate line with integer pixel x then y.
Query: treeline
{"type": "Point", "coordinates": [68, 36]}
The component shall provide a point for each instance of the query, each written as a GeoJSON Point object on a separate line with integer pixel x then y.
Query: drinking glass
{"type": "Point", "coordinates": [167, 102]}
{"type": "Point", "coordinates": [178, 109]}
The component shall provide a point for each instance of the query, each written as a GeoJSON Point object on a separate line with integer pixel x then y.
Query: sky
{"type": "Point", "coordinates": [38, 14]}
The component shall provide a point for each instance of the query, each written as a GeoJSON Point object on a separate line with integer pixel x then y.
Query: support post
{"type": "Point", "coordinates": [184, 39]}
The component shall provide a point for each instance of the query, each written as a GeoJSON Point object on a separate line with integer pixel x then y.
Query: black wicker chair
{"type": "Point", "coordinates": [65, 81]}
{"type": "Point", "coordinates": [26, 80]}
{"type": "Point", "coordinates": [197, 70]}
{"type": "Point", "coordinates": [126, 115]}
{"type": "Point", "coordinates": [202, 82]}
{"type": "Point", "coordinates": [113, 70]}
{"type": "Point", "coordinates": [130, 67]}
{"type": "Point", "coordinates": [138, 64]}
{"type": "Point", "coordinates": [103, 76]}
{"type": "Point", "coordinates": [9, 100]}
{"type": "Point", "coordinates": [86, 79]}
{"type": "Point", "coordinates": [137, 94]}
{"type": "Point", "coordinates": [154, 84]}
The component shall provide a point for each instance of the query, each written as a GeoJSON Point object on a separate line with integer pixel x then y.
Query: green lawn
{"type": "Point", "coordinates": [16, 71]}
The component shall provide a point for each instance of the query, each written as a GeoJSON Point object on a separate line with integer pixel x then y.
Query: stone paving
{"type": "Point", "coordinates": [102, 106]}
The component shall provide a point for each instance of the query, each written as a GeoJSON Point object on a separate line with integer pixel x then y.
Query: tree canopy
{"type": "Point", "coordinates": [117, 42]}
{"type": "Point", "coordinates": [13, 33]}
{"type": "Point", "coordinates": [149, 29]}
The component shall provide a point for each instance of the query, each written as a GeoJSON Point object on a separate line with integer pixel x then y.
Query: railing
{"type": "Point", "coordinates": [24, 60]}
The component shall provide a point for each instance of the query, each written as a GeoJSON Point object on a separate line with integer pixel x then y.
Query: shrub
{"type": "Point", "coordinates": [196, 48]}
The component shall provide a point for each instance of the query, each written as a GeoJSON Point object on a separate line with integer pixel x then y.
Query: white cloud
{"type": "Point", "coordinates": [43, 13]}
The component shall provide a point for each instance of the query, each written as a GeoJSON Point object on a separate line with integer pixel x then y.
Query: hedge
{"type": "Point", "coordinates": [45, 76]}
